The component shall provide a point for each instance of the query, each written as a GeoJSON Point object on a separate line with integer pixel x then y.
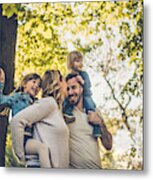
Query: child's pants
{"type": "Point", "coordinates": [50, 129]}
{"type": "Point", "coordinates": [34, 147]}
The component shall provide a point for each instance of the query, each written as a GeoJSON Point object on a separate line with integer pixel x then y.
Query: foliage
{"type": "Point", "coordinates": [10, 159]}
{"type": "Point", "coordinates": [10, 9]}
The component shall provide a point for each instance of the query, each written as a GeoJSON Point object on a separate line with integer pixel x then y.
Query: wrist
{"type": "Point", "coordinates": [102, 125]}
{"type": "Point", "coordinates": [1, 86]}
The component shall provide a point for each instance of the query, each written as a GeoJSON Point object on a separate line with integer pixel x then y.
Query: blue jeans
{"type": "Point", "coordinates": [88, 105]}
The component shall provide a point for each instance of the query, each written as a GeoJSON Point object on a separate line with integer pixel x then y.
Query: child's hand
{"type": "Point", "coordinates": [80, 79]}
{"type": "Point", "coordinates": [2, 76]}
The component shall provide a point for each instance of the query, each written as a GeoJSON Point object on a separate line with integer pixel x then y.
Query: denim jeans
{"type": "Point", "coordinates": [88, 105]}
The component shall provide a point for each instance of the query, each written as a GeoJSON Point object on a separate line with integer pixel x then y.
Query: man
{"type": "Point", "coordinates": [83, 146]}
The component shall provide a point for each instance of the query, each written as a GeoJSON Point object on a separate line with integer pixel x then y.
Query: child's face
{"type": "Point", "coordinates": [77, 64]}
{"type": "Point", "coordinates": [32, 87]}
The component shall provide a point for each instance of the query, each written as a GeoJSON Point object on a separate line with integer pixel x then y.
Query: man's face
{"type": "Point", "coordinates": [74, 91]}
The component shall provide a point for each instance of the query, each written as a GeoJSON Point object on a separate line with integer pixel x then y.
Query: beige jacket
{"type": "Point", "coordinates": [49, 128]}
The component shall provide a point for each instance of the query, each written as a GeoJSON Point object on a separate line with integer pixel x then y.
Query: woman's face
{"type": "Point", "coordinates": [32, 87]}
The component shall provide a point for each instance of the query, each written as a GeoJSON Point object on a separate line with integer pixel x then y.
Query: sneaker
{"type": "Point", "coordinates": [69, 119]}
{"type": "Point", "coordinates": [97, 131]}
{"type": "Point", "coordinates": [20, 161]}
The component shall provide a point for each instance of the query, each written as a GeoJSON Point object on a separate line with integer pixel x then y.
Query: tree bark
{"type": "Point", "coordinates": [8, 32]}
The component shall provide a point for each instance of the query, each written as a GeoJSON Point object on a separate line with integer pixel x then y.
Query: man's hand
{"type": "Point", "coordinates": [93, 118]}
{"type": "Point", "coordinates": [106, 136]}
{"type": "Point", "coordinates": [96, 118]}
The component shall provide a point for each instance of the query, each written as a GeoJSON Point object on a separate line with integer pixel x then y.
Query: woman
{"type": "Point", "coordinates": [21, 98]}
{"type": "Point", "coordinates": [49, 125]}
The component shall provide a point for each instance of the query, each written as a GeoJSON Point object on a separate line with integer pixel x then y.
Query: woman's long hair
{"type": "Point", "coordinates": [51, 87]}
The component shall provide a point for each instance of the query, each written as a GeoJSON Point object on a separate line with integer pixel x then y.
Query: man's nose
{"type": "Point", "coordinates": [70, 91]}
{"type": "Point", "coordinates": [37, 85]}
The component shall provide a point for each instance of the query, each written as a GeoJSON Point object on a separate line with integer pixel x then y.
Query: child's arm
{"type": "Point", "coordinates": [2, 76]}
{"type": "Point", "coordinates": [80, 80]}
{"type": "Point", "coordinates": [4, 100]}
{"type": "Point", "coordinates": [2, 80]}
{"type": "Point", "coordinates": [7, 100]}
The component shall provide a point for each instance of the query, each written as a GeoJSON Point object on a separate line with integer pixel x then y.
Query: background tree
{"type": "Point", "coordinates": [8, 30]}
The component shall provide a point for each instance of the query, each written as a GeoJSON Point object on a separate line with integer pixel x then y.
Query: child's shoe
{"type": "Point", "coordinates": [69, 119]}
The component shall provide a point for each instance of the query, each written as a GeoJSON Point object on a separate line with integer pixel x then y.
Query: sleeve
{"type": "Point", "coordinates": [6, 100]}
{"type": "Point", "coordinates": [1, 87]}
{"type": "Point", "coordinates": [27, 117]}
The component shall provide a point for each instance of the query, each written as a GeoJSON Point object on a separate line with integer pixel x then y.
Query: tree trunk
{"type": "Point", "coordinates": [8, 31]}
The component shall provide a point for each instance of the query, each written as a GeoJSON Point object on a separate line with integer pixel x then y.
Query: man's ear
{"type": "Point", "coordinates": [81, 90]}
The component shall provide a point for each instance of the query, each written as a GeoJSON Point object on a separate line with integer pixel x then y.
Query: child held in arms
{"type": "Point", "coordinates": [20, 99]}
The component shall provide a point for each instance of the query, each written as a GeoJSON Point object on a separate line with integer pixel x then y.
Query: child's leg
{"type": "Point", "coordinates": [90, 107]}
{"type": "Point", "coordinates": [88, 103]}
{"type": "Point", "coordinates": [67, 112]}
{"type": "Point", "coordinates": [33, 147]}
{"type": "Point", "coordinates": [96, 128]}
{"type": "Point", "coordinates": [67, 108]}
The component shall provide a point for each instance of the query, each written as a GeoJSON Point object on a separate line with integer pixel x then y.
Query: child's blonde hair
{"type": "Point", "coordinates": [72, 57]}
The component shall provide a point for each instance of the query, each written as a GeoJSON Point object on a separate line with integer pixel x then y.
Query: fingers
{"type": "Point", "coordinates": [93, 117]}
{"type": "Point", "coordinates": [2, 75]}
{"type": "Point", "coordinates": [80, 79]}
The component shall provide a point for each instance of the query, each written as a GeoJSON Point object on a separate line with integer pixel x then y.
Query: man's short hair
{"type": "Point", "coordinates": [72, 75]}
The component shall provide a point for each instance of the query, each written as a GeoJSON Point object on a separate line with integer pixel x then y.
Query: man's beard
{"type": "Point", "coordinates": [75, 103]}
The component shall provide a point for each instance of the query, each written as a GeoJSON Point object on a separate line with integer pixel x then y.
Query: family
{"type": "Point", "coordinates": [63, 125]}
